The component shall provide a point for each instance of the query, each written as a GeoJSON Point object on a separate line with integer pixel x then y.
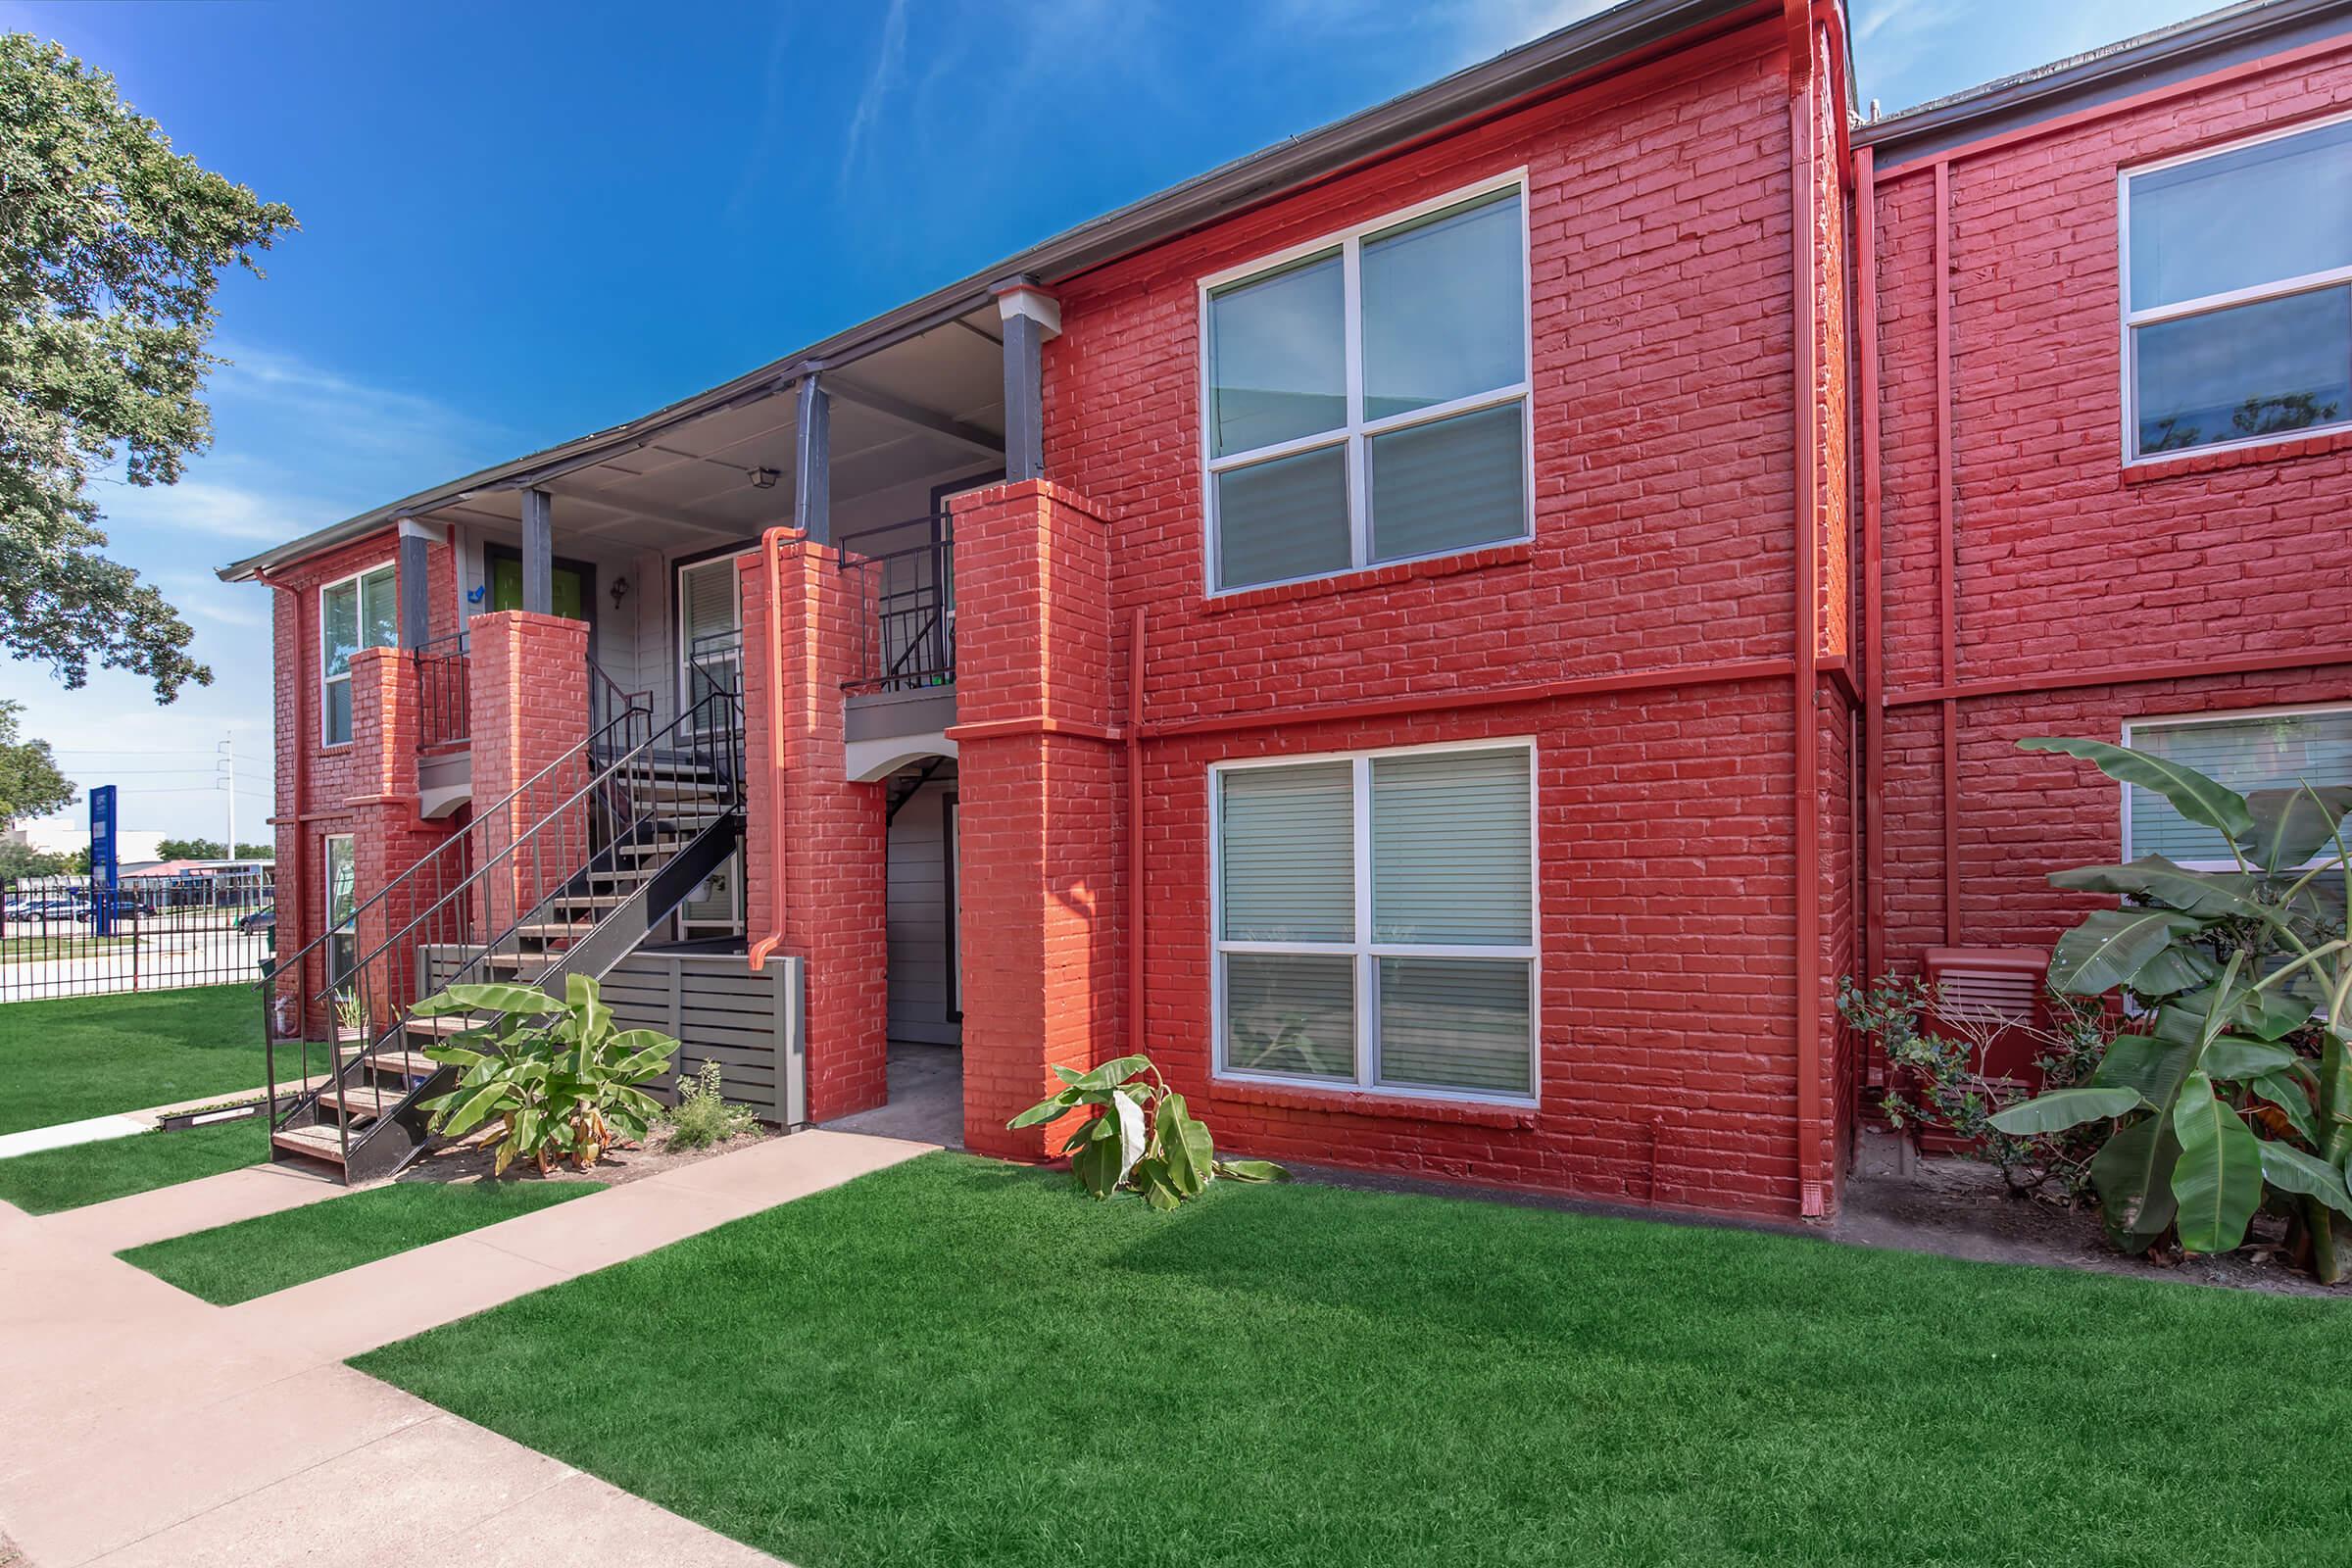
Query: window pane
{"type": "Point", "coordinates": [2276, 752]}
{"type": "Point", "coordinates": [379, 604]}
{"type": "Point", "coordinates": [1457, 1023]}
{"type": "Point", "coordinates": [341, 880]}
{"type": "Point", "coordinates": [337, 698]}
{"type": "Point", "coordinates": [1282, 519]}
{"type": "Point", "coordinates": [1445, 306]}
{"type": "Point", "coordinates": [2255, 370]}
{"type": "Point", "coordinates": [1290, 1013]}
{"type": "Point", "coordinates": [1287, 850]}
{"type": "Point", "coordinates": [1448, 486]}
{"type": "Point", "coordinates": [339, 625]}
{"type": "Point", "coordinates": [2276, 209]}
{"type": "Point", "coordinates": [1278, 358]}
{"type": "Point", "coordinates": [1450, 848]}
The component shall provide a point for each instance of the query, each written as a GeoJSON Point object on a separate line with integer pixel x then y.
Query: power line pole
{"type": "Point", "coordinates": [227, 749]}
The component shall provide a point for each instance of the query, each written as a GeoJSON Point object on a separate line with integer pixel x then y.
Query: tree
{"type": "Point", "coordinates": [212, 850]}
{"type": "Point", "coordinates": [29, 783]}
{"type": "Point", "coordinates": [110, 249]}
{"type": "Point", "coordinates": [20, 860]}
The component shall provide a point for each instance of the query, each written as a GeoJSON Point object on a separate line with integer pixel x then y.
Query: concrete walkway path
{"type": "Point", "coordinates": [121, 1124]}
{"type": "Point", "coordinates": [147, 1427]}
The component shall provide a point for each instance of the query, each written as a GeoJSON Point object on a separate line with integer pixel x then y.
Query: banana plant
{"type": "Point", "coordinates": [2240, 1085]}
{"type": "Point", "coordinates": [1142, 1137]}
{"type": "Point", "coordinates": [566, 1087]}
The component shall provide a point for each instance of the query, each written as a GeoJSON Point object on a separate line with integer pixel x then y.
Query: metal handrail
{"type": "Point", "coordinates": [444, 689]}
{"type": "Point", "coordinates": [907, 635]}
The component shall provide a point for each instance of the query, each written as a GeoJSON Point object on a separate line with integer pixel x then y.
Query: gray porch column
{"type": "Point", "coordinates": [1031, 315]}
{"type": "Point", "coordinates": [413, 599]}
{"type": "Point", "coordinates": [813, 464]}
{"type": "Point", "coordinates": [538, 553]}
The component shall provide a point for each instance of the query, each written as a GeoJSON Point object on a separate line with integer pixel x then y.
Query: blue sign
{"type": "Point", "coordinates": [104, 876]}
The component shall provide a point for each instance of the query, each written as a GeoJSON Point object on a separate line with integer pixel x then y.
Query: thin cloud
{"type": "Point", "coordinates": [889, 66]}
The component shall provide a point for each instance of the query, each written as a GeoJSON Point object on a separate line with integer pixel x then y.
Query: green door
{"type": "Point", "coordinates": [505, 588]}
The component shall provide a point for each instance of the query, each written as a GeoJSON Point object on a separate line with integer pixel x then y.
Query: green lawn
{"type": "Point", "coordinates": [233, 1263]}
{"type": "Point", "coordinates": [92, 1173]}
{"type": "Point", "coordinates": [961, 1361]}
{"type": "Point", "coordinates": [27, 950]}
{"type": "Point", "coordinates": [89, 1056]}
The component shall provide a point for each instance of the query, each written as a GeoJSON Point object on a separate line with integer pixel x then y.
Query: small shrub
{"type": "Point", "coordinates": [1141, 1139]}
{"type": "Point", "coordinates": [1940, 1082]}
{"type": "Point", "coordinates": [703, 1118]}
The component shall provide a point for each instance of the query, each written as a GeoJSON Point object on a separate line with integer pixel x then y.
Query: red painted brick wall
{"type": "Point", "coordinates": [2067, 563]}
{"type": "Point", "coordinates": [823, 836]}
{"type": "Point", "coordinates": [528, 701]}
{"type": "Point", "coordinates": [1664, 399]}
{"type": "Point", "coordinates": [339, 777]}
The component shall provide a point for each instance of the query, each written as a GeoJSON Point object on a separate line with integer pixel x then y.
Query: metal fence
{"type": "Point", "coordinates": [67, 937]}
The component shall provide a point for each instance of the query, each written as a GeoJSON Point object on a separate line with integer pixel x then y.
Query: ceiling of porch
{"type": "Point", "coordinates": [932, 407]}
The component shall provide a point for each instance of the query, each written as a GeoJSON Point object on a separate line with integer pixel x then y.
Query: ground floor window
{"type": "Point", "coordinates": [343, 937]}
{"type": "Point", "coordinates": [1376, 920]}
{"type": "Point", "coordinates": [2276, 749]}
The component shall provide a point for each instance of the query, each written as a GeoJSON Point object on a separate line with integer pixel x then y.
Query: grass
{"type": "Point", "coordinates": [30, 949]}
{"type": "Point", "coordinates": [82, 1056]}
{"type": "Point", "coordinates": [959, 1361]}
{"type": "Point", "coordinates": [116, 1167]}
{"type": "Point", "coordinates": [233, 1263]}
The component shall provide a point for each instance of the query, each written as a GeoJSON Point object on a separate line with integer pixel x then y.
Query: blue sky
{"type": "Point", "coordinates": [524, 222]}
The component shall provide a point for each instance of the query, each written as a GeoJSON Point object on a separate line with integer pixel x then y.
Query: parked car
{"type": "Point", "coordinates": [260, 920]}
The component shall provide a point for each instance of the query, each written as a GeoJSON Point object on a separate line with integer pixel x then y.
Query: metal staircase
{"type": "Point", "coordinates": [566, 875]}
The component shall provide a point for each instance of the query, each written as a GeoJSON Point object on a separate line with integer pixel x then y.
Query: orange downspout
{"type": "Point", "coordinates": [1135, 835]}
{"type": "Point", "coordinates": [772, 564]}
{"type": "Point", "coordinates": [1806, 780]}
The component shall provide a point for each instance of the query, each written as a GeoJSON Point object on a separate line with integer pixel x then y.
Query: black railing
{"type": "Point", "coordinates": [444, 691]}
{"type": "Point", "coordinates": [608, 704]}
{"type": "Point", "coordinates": [714, 664]}
{"type": "Point", "coordinates": [906, 625]}
{"type": "Point", "coordinates": [68, 936]}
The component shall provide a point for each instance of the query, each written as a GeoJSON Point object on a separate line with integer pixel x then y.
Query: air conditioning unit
{"type": "Point", "coordinates": [1995, 995]}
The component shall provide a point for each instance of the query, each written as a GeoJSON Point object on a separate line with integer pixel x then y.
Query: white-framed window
{"type": "Point", "coordinates": [342, 898]}
{"type": "Point", "coordinates": [363, 610]}
{"type": "Point", "coordinates": [1364, 397]}
{"type": "Point", "coordinates": [2237, 292]}
{"type": "Point", "coordinates": [2249, 749]}
{"type": "Point", "coordinates": [1374, 921]}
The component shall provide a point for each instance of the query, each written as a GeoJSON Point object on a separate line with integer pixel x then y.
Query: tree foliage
{"type": "Point", "coordinates": [29, 783]}
{"type": "Point", "coordinates": [212, 850]}
{"type": "Point", "coordinates": [110, 249]}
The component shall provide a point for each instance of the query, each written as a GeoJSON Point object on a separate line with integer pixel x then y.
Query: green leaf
{"type": "Point", "coordinates": [1251, 1170]}
{"type": "Point", "coordinates": [2189, 792]}
{"type": "Point", "coordinates": [2291, 1171]}
{"type": "Point", "coordinates": [2155, 1064]}
{"type": "Point", "coordinates": [2264, 1014]}
{"type": "Point", "coordinates": [488, 999]}
{"type": "Point", "coordinates": [2061, 1109]}
{"type": "Point", "coordinates": [1095, 1162]}
{"type": "Point", "coordinates": [1153, 1179]}
{"type": "Point", "coordinates": [2210, 893]}
{"type": "Point", "coordinates": [485, 1103]}
{"type": "Point", "coordinates": [1043, 1111]}
{"type": "Point", "coordinates": [2235, 1059]}
{"type": "Point", "coordinates": [2218, 1178]}
{"type": "Point", "coordinates": [457, 1056]}
{"type": "Point", "coordinates": [588, 1005]}
{"type": "Point", "coordinates": [2291, 824]}
{"type": "Point", "coordinates": [2132, 1173]}
{"type": "Point", "coordinates": [2112, 945]}
{"type": "Point", "coordinates": [1186, 1146]}
{"type": "Point", "coordinates": [2282, 1089]}
{"type": "Point", "coordinates": [1112, 1073]}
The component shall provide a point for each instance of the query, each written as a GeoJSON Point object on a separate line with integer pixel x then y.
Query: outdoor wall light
{"type": "Point", "coordinates": [765, 478]}
{"type": "Point", "coordinates": [620, 587]}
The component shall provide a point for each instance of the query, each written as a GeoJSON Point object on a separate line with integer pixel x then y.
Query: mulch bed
{"type": "Point", "coordinates": [470, 1159]}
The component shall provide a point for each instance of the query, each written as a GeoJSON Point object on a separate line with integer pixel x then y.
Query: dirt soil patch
{"type": "Point", "coordinates": [1961, 1208]}
{"type": "Point", "coordinates": [470, 1159]}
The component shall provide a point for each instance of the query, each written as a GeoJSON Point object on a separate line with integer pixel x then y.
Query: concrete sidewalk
{"type": "Point", "coordinates": [147, 1427]}
{"type": "Point", "coordinates": [122, 1124]}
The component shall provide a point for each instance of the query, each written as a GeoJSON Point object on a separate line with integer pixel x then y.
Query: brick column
{"type": "Point", "coordinates": [528, 707]}
{"type": "Point", "coordinates": [812, 835]}
{"type": "Point", "coordinates": [388, 837]}
{"type": "Point", "coordinates": [1039, 811]}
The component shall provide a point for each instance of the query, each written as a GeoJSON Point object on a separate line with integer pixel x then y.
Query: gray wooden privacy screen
{"type": "Point", "coordinates": [721, 1011]}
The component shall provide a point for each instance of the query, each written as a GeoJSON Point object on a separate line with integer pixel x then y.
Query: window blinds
{"type": "Point", "coordinates": [2276, 751]}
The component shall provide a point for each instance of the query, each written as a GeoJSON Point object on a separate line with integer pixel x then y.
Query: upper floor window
{"type": "Point", "coordinates": [361, 612]}
{"type": "Point", "coordinates": [2237, 292]}
{"type": "Point", "coordinates": [1368, 396]}
{"type": "Point", "coordinates": [2248, 751]}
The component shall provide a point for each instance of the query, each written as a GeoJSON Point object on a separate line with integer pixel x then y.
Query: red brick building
{"type": "Point", "coordinates": [1452, 634]}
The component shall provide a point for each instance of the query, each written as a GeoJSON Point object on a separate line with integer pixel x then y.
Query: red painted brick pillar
{"type": "Point", "coordinates": [528, 701]}
{"type": "Point", "coordinates": [1039, 809]}
{"type": "Point", "coordinates": [388, 837]}
{"type": "Point", "coordinates": [815, 872]}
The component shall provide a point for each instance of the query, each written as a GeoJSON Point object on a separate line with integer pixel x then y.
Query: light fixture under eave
{"type": "Point", "coordinates": [765, 478]}
{"type": "Point", "coordinates": [621, 588]}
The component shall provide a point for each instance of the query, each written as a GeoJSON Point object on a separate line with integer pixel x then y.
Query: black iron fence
{"type": "Point", "coordinates": [444, 694]}
{"type": "Point", "coordinates": [907, 630]}
{"type": "Point", "coordinates": [68, 937]}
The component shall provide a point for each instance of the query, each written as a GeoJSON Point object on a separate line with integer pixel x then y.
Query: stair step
{"type": "Point", "coordinates": [548, 930]}
{"type": "Point", "coordinates": [591, 901]}
{"type": "Point", "coordinates": [639, 874]}
{"type": "Point", "coordinates": [362, 1102]}
{"type": "Point", "coordinates": [410, 1064]}
{"type": "Point", "coordinates": [318, 1143]}
{"type": "Point", "coordinates": [665, 845]}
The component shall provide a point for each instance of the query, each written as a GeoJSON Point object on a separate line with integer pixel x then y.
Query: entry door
{"type": "Point", "coordinates": [570, 585]}
{"type": "Point", "coordinates": [710, 629]}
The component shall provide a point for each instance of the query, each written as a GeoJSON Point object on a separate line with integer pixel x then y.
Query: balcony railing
{"type": "Point", "coordinates": [906, 626]}
{"type": "Point", "coordinates": [443, 692]}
